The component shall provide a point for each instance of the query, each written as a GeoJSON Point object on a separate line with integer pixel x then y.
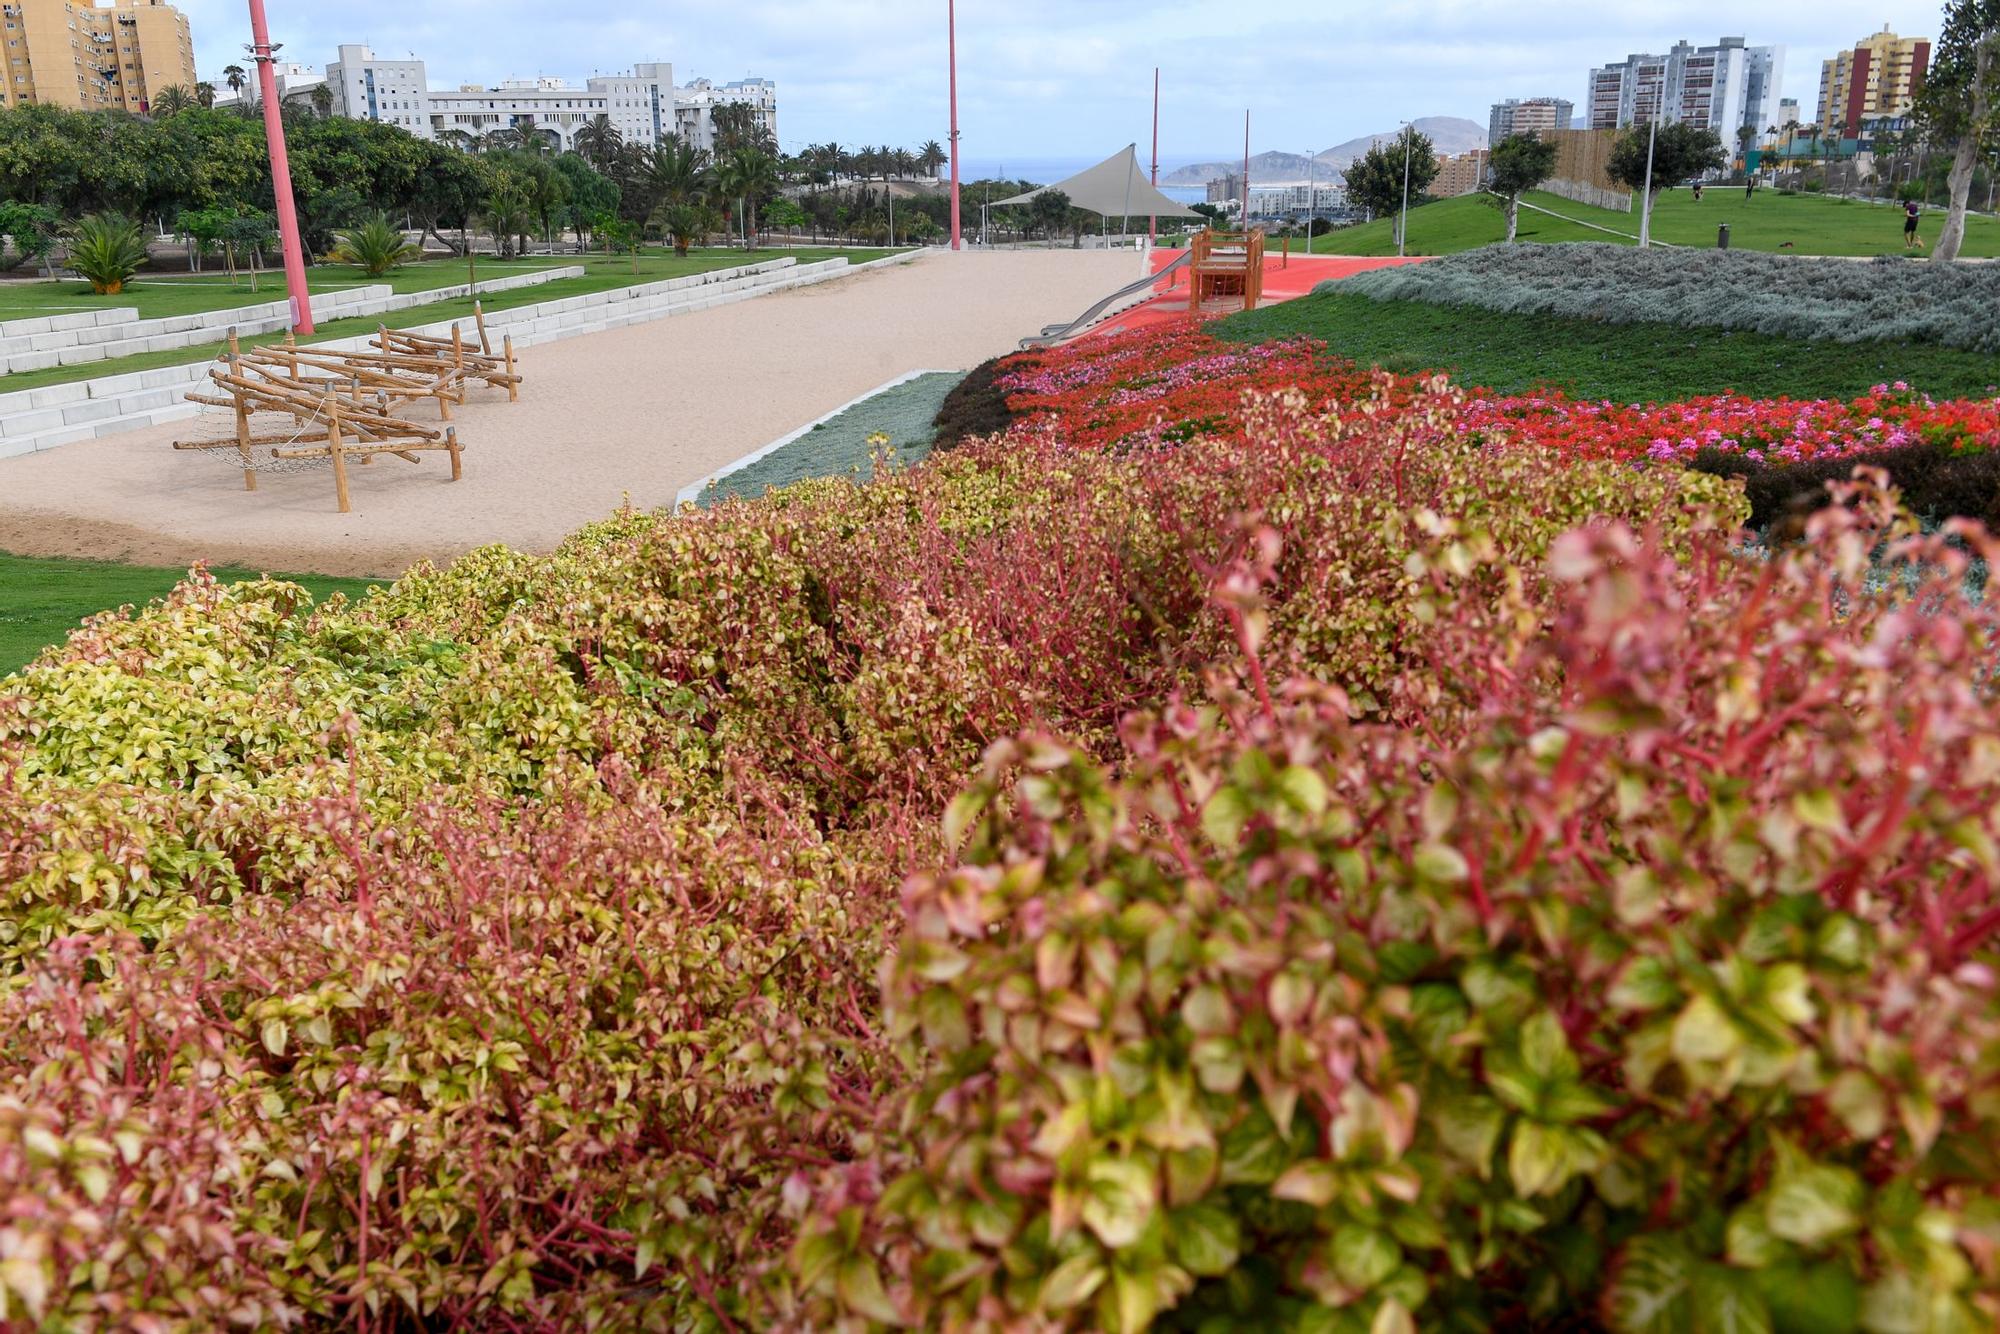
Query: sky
{"type": "Point", "coordinates": [1071, 79]}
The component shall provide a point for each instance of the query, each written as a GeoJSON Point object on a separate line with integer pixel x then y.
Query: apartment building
{"type": "Point", "coordinates": [695, 104]}
{"type": "Point", "coordinates": [1722, 87]}
{"type": "Point", "coordinates": [1461, 175]}
{"type": "Point", "coordinates": [94, 57]}
{"type": "Point", "coordinates": [1532, 115]}
{"type": "Point", "coordinates": [1880, 77]}
{"type": "Point", "coordinates": [644, 105]}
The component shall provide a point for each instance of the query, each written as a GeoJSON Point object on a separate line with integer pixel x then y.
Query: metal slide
{"type": "Point", "coordinates": [1056, 333]}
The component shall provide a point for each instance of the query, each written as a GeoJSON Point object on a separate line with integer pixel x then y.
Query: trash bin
{"type": "Point", "coordinates": [1722, 237]}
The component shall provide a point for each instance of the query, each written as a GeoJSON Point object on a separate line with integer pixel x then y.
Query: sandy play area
{"type": "Point", "coordinates": [635, 413]}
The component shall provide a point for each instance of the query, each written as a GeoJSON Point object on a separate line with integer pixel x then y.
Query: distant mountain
{"type": "Point", "coordinates": [1264, 167]}
{"type": "Point", "coordinates": [1450, 135]}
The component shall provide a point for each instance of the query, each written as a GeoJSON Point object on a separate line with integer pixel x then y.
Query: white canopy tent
{"type": "Point", "coordinates": [1114, 188]}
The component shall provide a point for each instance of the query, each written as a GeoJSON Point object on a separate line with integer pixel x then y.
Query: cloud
{"type": "Point", "coordinates": [1071, 78]}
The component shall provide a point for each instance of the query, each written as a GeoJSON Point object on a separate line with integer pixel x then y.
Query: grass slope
{"type": "Point", "coordinates": [1813, 224]}
{"type": "Point", "coordinates": [41, 601]}
{"type": "Point", "coordinates": [1630, 363]}
{"type": "Point", "coordinates": [604, 273]}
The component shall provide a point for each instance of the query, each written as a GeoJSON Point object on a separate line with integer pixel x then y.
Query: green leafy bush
{"type": "Point", "coordinates": [106, 249]}
{"type": "Point", "coordinates": [375, 247]}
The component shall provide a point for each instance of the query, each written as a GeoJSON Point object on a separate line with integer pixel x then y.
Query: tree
{"type": "Point", "coordinates": [747, 176]}
{"type": "Point", "coordinates": [1049, 212]}
{"type": "Point", "coordinates": [932, 157]}
{"type": "Point", "coordinates": [1392, 171]}
{"type": "Point", "coordinates": [1519, 163]}
{"type": "Point", "coordinates": [249, 233]}
{"type": "Point", "coordinates": [599, 142]}
{"type": "Point", "coordinates": [33, 229]}
{"type": "Point", "coordinates": [204, 93]}
{"type": "Point", "coordinates": [683, 223]}
{"type": "Point", "coordinates": [784, 213]}
{"type": "Point", "coordinates": [738, 126]}
{"type": "Point", "coordinates": [235, 76]}
{"type": "Point", "coordinates": [322, 101]}
{"type": "Point", "coordinates": [172, 100]}
{"type": "Point", "coordinates": [1960, 103]}
{"type": "Point", "coordinates": [1678, 153]}
{"type": "Point", "coordinates": [1746, 137]}
{"type": "Point", "coordinates": [509, 212]}
{"type": "Point", "coordinates": [591, 194]}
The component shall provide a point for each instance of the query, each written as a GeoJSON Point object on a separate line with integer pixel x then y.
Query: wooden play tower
{"type": "Point", "coordinates": [1227, 270]}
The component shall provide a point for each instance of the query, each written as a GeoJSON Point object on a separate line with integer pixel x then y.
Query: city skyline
{"type": "Point", "coordinates": [1046, 80]}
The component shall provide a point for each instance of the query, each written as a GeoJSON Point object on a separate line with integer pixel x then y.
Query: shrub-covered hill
{"type": "Point", "coordinates": [1337, 876]}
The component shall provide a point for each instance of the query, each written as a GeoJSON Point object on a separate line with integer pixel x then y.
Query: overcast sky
{"type": "Point", "coordinates": [1071, 78]}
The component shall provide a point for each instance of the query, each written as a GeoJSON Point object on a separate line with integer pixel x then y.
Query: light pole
{"type": "Point", "coordinates": [263, 54]}
{"type": "Point", "coordinates": [1403, 218]}
{"type": "Point", "coordinates": [951, 23]}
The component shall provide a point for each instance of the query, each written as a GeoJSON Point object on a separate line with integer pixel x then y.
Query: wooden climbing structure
{"type": "Point", "coordinates": [291, 406]}
{"type": "Point", "coordinates": [1227, 270]}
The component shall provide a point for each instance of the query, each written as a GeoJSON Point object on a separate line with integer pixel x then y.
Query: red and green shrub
{"type": "Point", "coordinates": [1330, 836]}
{"type": "Point", "coordinates": [1660, 991]}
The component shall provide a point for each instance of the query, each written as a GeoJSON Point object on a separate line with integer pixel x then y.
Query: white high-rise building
{"type": "Point", "coordinates": [695, 106]}
{"type": "Point", "coordinates": [1721, 87]}
{"type": "Point", "coordinates": [644, 105]}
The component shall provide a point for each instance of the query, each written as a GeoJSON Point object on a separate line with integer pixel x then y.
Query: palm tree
{"type": "Point", "coordinates": [933, 157]}
{"type": "Point", "coordinates": [173, 100]}
{"type": "Point", "coordinates": [204, 93]}
{"type": "Point", "coordinates": [746, 176]}
{"type": "Point", "coordinates": [599, 142]}
{"type": "Point", "coordinates": [681, 223]}
{"type": "Point", "coordinates": [677, 171]}
{"type": "Point", "coordinates": [375, 247]}
{"type": "Point", "coordinates": [235, 76]}
{"type": "Point", "coordinates": [906, 163]}
{"type": "Point", "coordinates": [322, 101]}
{"type": "Point", "coordinates": [508, 215]}
{"type": "Point", "coordinates": [1746, 135]}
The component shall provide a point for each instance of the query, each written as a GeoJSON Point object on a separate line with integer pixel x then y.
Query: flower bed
{"type": "Point", "coordinates": [1172, 382]}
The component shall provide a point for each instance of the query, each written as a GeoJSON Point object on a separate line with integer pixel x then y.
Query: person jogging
{"type": "Point", "coordinates": [1911, 241]}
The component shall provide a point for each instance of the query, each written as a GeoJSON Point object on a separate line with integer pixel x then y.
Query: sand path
{"type": "Point", "coordinates": [637, 412]}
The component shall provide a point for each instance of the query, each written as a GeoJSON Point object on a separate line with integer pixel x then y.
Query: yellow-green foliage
{"type": "Point", "coordinates": [850, 644]}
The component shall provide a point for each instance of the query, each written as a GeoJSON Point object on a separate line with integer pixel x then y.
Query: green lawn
{"type": "Point", "coordinates": [603, 273]}
{"type": "Point", "coordinates": [1813, 224]}
{"type": "Point", "coordinates": [41, 601]}
{"type": "Point", "coordinates": [156, 296]}
{"type": "Point", "coordinates": [1629, 363]}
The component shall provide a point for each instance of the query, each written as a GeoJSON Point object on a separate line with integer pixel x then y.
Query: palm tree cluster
{"type": "Point", "coordinates": [829, 164]}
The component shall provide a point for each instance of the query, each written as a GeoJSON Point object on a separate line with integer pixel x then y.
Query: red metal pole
{"type": "Point", "coordinates": [1153, 223]}
{"type": "Point", "coordinates": [951, 23]}
{"type": "Point", "coordinates": [262, 52]}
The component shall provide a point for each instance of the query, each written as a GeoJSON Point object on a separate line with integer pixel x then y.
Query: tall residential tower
{"type": "Point", "coordinates": [90, 57]}
{"type": "Point", "coordinates": [1879, 77]}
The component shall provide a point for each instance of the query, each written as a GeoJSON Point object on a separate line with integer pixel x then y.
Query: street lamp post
{"type": "Point", "coordinates": [1403, 218]}
{"type": "Point", "coordinates": [263, 55]}
{"type": "Point", "coordinates": [951, 21]}
{"type": "Point", "coordinates": [1312, 210]}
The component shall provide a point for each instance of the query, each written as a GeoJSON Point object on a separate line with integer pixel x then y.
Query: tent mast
{"type": "Point", "coordinates": [1153, 223]}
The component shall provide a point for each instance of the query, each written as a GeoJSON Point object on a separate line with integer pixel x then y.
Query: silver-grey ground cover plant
{"type": "Point", "coordinates": [1824, 300]}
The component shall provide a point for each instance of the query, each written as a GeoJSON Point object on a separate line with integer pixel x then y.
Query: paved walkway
{"type": "Point", "coordinates": [632, 414]}
{"type": "Point", "coordinates": [1286, 278]}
